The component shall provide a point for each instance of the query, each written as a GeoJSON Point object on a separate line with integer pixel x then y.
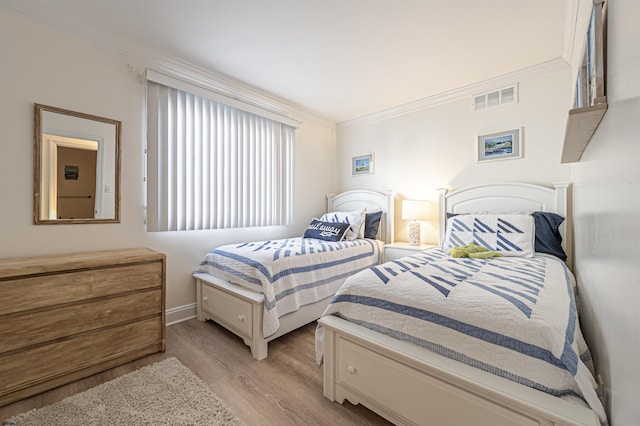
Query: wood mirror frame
{"type": "Point", "coordinates": [91, 145]}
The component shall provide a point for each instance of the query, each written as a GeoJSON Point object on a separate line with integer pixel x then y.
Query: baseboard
{"type": "Point", "coordinates": [181, 313]}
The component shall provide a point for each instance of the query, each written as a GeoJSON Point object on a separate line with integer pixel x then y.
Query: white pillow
{"type": "Point", "coordinates": [507, 234]}
{"type": "Point", "coordinates": [355, 218]}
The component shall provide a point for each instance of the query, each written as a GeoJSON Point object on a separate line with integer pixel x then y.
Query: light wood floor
{"type": "Point", "coordinates": [284, 389]}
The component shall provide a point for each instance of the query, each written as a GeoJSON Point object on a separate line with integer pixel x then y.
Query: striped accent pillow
{"type": "Point", "coordinates": [508, 234]}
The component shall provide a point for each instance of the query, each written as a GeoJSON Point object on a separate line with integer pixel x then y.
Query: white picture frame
{"type": "Point", "coordinates": [504, 145]}
{"type": "Point", "coordinates": [363, 165]}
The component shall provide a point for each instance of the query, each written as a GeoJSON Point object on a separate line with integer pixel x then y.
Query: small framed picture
{"type": "Point", "coordinates": [363, 165]}
{"type": "Point", "coordinates": [71, 172]}
{"type": "Point", "coordinates": [500, 146]}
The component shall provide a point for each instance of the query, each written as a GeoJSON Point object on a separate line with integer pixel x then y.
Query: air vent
{"type": "Point", "coordinates": [506, 95]}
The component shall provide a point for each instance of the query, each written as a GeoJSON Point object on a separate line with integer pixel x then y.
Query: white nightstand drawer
{"type": "Point", "coordinates": [397, 250]}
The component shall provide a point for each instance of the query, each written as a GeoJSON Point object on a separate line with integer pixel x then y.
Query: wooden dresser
{"type": "Point", "coordinates": [66, 317]}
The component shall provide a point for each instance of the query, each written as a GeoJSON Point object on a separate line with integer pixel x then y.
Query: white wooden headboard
{"type": "Point", "coordinates": [508, 197]}
{"type": "Point", "coordinates": [374, 202]}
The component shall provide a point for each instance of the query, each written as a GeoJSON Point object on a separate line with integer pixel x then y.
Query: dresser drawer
{"type": "Point", "coordinates": [233, 313]}
{"type": "Point", "coordinates": [20, 369]}
{"type": "Point", "coordinates": [359, 370]}
{"type": "Point", "coordinates": [63, 321]}
{"type": "Point", "coordinates": [28, 293]}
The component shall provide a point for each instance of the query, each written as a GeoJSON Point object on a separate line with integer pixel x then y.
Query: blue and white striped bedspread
{"type": "Point", "coordinates": [291, 273]}
{"type": "Point", "coordinates": [512, 316]}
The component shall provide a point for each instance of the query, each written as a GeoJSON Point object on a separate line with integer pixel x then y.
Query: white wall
{"type": "Point", "coordinates": [436, 147]}
{"type": "Point", "coordinates": [41, 64]}
{"type": "Point", "coordinates": [607, 223]}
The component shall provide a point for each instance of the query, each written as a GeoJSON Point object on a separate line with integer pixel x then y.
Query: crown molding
{"type": "Point", "coordinates": [224, 85]}
{"type": "Point", "coordinates": [456, 94]}
{"type": "Point", "coordinates": [148, 57]}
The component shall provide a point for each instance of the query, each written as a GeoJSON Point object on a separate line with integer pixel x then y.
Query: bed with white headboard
{"type": "Point", "coordinates": [509, 197]}
{"type": "Point", "coordinates": [241, 308]}
{"type": "Point", "coordinates": [400, 378]}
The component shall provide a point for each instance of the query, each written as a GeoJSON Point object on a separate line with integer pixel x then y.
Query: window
{"type": "Point", "coordinates": [211, 165]}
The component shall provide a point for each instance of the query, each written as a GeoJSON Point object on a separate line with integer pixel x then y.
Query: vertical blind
{"type": "Point", "coordinates": [211, 166]}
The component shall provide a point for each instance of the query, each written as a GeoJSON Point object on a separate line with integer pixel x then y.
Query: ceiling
{"type": "Point", "coordinates": [339, 59]}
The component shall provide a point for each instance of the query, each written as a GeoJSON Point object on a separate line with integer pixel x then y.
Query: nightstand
{"type": "Point", "coordinates": [395, 251]}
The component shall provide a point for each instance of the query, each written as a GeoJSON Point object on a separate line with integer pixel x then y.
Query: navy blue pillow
{"type": "Point", "coordinates": [548, 238]}
{"type": "Point", "coordinates": [371, 224]}
{"type": "Point", "coordinates": [328, 231]}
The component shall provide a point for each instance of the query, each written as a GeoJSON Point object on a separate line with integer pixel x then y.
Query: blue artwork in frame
{"type": "Point", "coordinates": [363, 165]}
{"type": "Point", "coordinates": [500, 146]}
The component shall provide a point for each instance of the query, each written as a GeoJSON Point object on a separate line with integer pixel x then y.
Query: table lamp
{"type": "Point", "coordinates": [415, 210]}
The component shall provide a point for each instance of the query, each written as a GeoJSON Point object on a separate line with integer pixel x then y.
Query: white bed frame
{"type": "Point", "coordinates": [412, 386]}
{"type": "Point", "coordinates": [240, 310]}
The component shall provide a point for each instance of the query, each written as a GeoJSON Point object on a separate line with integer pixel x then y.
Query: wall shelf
{"type": "Point", "coordinates": [581, 125]}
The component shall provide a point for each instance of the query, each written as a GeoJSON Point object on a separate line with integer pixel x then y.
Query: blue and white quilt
{"type": "Point", "coordinates": [291, 273]}
{"type": "Point", "coordinates": [511, 316]}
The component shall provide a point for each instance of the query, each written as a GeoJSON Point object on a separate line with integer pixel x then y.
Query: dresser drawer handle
{"type": "Point", "coordinates": [241, 317]}
{"type": "Point", "coordinates": [351, 369]}
{"type": "Point", "coordinates": [205, 298]}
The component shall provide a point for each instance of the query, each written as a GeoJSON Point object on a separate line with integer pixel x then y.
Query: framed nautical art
{"type": "Point", "coordinates": [363, 165]}
{"type": "Point", "coordinates": [500, 146]}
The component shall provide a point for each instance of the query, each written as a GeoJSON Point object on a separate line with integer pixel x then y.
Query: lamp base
{"type": "Point", "coordinates": [414, 233]}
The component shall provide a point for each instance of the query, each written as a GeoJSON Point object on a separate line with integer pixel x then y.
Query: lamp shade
{"type": "Point", "coordinates": [415, 210]}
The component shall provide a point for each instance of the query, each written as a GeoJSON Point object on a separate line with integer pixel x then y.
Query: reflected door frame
{"type": "Point", "coordinates": [49, 169]}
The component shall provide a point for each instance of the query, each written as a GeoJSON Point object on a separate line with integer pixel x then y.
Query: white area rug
{"type": "Point", "coordinates": [164, 393]}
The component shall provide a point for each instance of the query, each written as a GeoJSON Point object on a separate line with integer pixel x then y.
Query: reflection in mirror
{"type": "Point", "coordinates": [77, 167]}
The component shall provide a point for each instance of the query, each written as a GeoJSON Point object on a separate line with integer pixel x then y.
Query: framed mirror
{"type": "Point", "coordinates": [76, 167]}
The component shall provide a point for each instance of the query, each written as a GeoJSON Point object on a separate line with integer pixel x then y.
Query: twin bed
{"type": "Point", "coordinates": [262, 290]}
{"type": "Point", "coordinates": [432, 339]}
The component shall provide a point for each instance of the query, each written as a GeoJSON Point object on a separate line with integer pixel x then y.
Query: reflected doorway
{"type": "Point", "coordinates": [70, 167]}
{"type": "Point", "coordinates": [76, 183]}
